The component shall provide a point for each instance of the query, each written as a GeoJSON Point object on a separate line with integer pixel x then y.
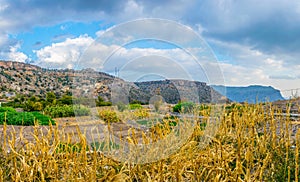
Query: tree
{"type": "Point", "coordinates": [66, 100]}
{"type": "Point", "coordinates": [29, 106]}
{"type": "Point", "coordinates": [50, 97]}
{"type": "Point", "coordinates": [33, 99]}
{"type": "Point", "coordinates": [37, 106]}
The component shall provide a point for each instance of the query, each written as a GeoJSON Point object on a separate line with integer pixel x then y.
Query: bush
{"type": "Point", "coordinates": [141, 113]}
{"type": "Point", "coordinates": [177, 107]}
{"type": "Point", "coordinates": [184, 107]}
{"type": "Point", "coordinates": [80, 110]}
{"type": "Point", "coordinates": [104, 103]}
{"type": "Point", "coordinates": [66, 100]}
{"type": "Point", "coordinates": [109, 116]}
{"type": "Point", "coordinates": [59, 111]}
{"type": "Point", "coordinates": [135, 106]}
{"type": "Point", "coordinates": [66, 111]}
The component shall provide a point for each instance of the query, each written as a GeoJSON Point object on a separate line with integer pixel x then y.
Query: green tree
{"type": "Point", "coordinates": [29, 106]}
{"type": "Point", "coordinates": [66, 100]}
{"type": "Point", "coordinates": [50, 97]}
{"type": "Point", "coordinates": [33, 99]}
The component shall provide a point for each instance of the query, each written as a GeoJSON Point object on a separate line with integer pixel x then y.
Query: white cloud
{"type": "Point", "coordinates": [63, 54]}
{"type": "Point", "coordinates": [13, 53]}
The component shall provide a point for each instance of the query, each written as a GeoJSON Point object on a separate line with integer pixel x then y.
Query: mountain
{"type": "Point", "coordinates": [251, 94]}
{"type": "Point", "coordinates": [174, 91]}
{"type": "Point", "coordinates": [29, 80]}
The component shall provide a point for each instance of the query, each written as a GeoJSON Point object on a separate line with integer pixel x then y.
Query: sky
{"type": "Point", "coordinates": [254, 42]}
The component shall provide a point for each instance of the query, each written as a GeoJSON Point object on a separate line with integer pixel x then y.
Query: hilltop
{"type": "Point", "coordinates": [250, 94]}
{"type": "Point", "coordinates": [27, 79]}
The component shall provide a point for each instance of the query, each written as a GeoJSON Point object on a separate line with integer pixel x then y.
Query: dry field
{"type": "Point", "coordinates": [251, 144]}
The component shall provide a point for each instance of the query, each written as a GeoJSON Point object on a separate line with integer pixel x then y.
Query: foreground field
{"type": "Point", "coordinates": [252, 144]}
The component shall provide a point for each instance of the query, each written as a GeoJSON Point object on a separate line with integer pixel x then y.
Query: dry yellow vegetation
{"type": "Point", "coordinates": [252, 144]}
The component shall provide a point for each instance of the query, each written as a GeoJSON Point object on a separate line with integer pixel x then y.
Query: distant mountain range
{"type": "Point", "coordinates": [250, 94]}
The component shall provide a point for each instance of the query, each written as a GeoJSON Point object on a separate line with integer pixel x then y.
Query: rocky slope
{"type": "Point", "coordinates": [29, 79]}
{"type": "Point", "coordinates": [174, 91]}
{"type": "Point", "coordinates": [33, 80]}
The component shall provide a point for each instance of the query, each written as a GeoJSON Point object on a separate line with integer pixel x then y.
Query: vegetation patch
{"type": "Point", "coordinates": [109, 116]}
{"type": "Point", "coordinates": [135, 106]}
{"type": "Point", "coordinates": [11, 117]}
{"type": "Point", "coordinates": [184, 107]}
{"type": "Point", "coordinates": [141, 113]}
{"type": "Point", "coordinates": [67, 111]}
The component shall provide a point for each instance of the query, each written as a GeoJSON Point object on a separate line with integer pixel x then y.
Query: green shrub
{"type": "Point", "coordinates": [66, 111]}
{"type": "Point", "coordinates": [184, 107]}
{"type": "Point", "coordinates": [5, 109]}
{"type": "Point", "coordinates": [80, 110]}
{"type": "Point", "coordinates": [104, 103]}
{"type": "Point", "coordinates": [177, 107]}
{"type": "Point", "coordinates": [59, 111]}
{"type": "Point", "coordinates": [135, 106]}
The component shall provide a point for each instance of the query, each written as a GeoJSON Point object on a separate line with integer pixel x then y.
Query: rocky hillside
{"type": "Point", "coordinates": [29, 79]}
{"type": "Point", "coordinates": [175, 90]}
{"type": "Point", "coordinates": [251, 94]}
{"type": "Point", "coordinates": [20, 78]}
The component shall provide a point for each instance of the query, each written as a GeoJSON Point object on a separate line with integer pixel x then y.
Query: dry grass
{"type": "Point", "coordinates": [250, 145]}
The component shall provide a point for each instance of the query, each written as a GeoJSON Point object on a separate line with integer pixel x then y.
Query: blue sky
{"type": "Point", "coordinates": [40, 37]}
{"type": "Point", "coordinates": [256, 42]}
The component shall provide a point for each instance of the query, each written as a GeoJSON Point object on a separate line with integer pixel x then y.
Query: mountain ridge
{"type": "Point", "coordinates": [250, 94]}
{"type": "Point", "coordinates": [30, 79]}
